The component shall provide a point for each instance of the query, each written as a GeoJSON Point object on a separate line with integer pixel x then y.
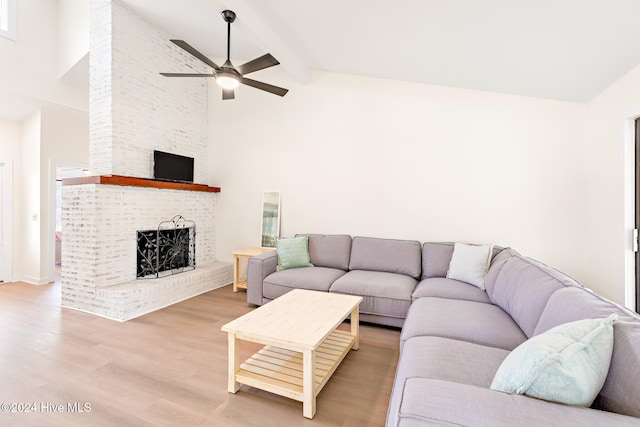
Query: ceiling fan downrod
{"type": "Point", "coordinates": [229, 16]}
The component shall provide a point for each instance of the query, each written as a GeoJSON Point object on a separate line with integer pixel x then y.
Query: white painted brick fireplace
{"type": "Point", "coordinates": [133, 111]}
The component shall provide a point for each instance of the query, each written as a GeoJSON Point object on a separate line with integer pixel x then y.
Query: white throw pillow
{"type": "Point", "coordinates": [470, 263]}
{"type": "Point", "coordinates": [567, 364]}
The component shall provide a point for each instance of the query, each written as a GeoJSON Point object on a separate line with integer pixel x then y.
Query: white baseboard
{"type": "Point", "coordinates": [31, 280]}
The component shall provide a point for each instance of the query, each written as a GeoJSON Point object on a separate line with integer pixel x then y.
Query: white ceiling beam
{"type": "Point", "coordinates": [269, 40]}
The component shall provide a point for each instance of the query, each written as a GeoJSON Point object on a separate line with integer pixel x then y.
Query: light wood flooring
{"type": "Point", "coordinates": [167, 368]}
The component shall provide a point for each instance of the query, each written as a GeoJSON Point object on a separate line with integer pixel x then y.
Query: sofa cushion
{"type": "Point", "coordinates": [450, 360]}
{"type": "Point", "coordinates": [522, 289]}
{"type": "Point", "coordinates": [444, 359]}
{"type": "Point", "coordinates": [391, 256]}
{"type": "Point", "coordinates": [441, 287]}
{"type": "Point", "coordinates": [497, 263]}
{"type": "Point", "coordinates": [433, 402]}
{"type": "Point", "coordinates": [469, 263]}
{"type": "Point", "coordinates": [385, 294]}
{"type": "Point", "coordinates": [574, 303]}
{"type": "Point", "coordinates": [330, 250]}
{"type": "Point", "coordinates": [621, 390]}
{"type": "Point", "coordinates": [470, 321]}
{"type": "Point", "coordinates": [567, 364]}
{"type": "Point", "coordinates": [313, 278]}
{"type": "Point", "coordinates": [435, 259]}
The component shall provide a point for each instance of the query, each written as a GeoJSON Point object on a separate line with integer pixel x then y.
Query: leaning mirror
{"type": "Point", "coordinates": [270, 219]}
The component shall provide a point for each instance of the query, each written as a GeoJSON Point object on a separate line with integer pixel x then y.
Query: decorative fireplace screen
{"type": "Point", "coordinates": [170, 249]}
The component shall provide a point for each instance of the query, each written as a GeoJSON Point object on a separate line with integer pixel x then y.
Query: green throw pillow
{"type": "Point", "coordinates": [567, 364]}
{"type": "Point", "coordinates": [293, 252]}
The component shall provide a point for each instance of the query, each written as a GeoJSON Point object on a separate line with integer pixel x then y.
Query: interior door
{"type": "Point", "coordinates": [6, 252]}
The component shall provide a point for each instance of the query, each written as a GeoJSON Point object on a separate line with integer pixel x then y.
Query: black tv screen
{"type": "Point", "coordinates": [172, 167]}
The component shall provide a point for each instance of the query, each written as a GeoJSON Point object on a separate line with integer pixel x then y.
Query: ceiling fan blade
{"type": "Point", "coordinates": [265, 61]}
{"type": "Point", "coordinates": [186, 46]}
{"type": "Point", "coordinates": [228, 94]}
{"type": "Point", "coordinates": [265, 86]}
{"type": "Point", "coordinates": [187, 75]}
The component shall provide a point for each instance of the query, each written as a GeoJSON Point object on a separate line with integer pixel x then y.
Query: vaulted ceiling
{"type": "Point", "coordinates": [567, 50]}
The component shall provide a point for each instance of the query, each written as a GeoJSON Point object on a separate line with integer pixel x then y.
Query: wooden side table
{"type": "Point", "coordinates": [239, 283]}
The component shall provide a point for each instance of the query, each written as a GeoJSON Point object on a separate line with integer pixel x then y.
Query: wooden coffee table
{"type": "Point", "coordinates": [303, 346]}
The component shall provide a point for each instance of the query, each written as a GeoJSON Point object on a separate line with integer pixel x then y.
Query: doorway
{"type": "Point", "coordinates": [6, 221]}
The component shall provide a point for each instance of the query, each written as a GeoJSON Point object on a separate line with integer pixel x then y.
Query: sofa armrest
{"type": "Point", "coordinates": [259, 267]}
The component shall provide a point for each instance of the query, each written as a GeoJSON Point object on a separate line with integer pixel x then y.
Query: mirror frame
{"type": "Point", "coordinates": [270, 219]}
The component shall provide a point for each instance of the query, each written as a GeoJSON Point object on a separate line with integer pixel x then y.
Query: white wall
{"type": "Point", "coordinates": [9, 140]}
{"type": "Point", "coordinates": [29, 64]}
{"type": "Point", "coordinates": [27, 236]}
{"type": "Point", "coordinates": [609, 157]}
{"type": "Point", "coordinates": [383, 158]}
{"type": "Point", "coordinates": [73, 33]}
{"type": "Point", "coordinates": [10, 150]}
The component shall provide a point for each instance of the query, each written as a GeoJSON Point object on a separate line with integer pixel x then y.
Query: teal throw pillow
{"type": "Point", "coordinates": [567, 364]}
{"type": "Point", "coordinates": [293, 252]}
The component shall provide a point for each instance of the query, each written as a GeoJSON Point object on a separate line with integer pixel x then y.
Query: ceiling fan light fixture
{"type": "Point", "coordinates": [227, 80]}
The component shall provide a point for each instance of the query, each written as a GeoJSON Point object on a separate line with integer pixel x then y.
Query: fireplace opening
{"type": "Point", "coordinates": [169, 249]}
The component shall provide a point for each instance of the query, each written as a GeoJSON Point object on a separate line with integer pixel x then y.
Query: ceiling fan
{"type": "Point", "coordinates": [229, 77]}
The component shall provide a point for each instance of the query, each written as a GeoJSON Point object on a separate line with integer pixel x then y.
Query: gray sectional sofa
{"type": "Point", "coordinates": [454, 335]}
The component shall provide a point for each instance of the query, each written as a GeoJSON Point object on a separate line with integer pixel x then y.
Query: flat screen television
{"type": "Point", "coordinates": [172, 167]}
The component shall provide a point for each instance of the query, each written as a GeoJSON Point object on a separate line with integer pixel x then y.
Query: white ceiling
{"type": "Point", "coordinates": [569, 50]}
{"type": "Point", "coordinates": [559, 49]}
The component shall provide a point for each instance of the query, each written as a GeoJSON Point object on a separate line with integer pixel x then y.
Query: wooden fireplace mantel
{"type": "Point", "coordinates": [139, 182]}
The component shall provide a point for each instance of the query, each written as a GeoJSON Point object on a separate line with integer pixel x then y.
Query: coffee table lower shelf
{"type": "Point", "coordinates": [280, 371]}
